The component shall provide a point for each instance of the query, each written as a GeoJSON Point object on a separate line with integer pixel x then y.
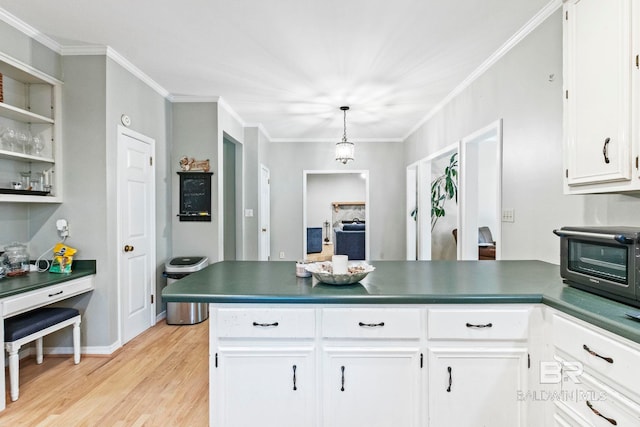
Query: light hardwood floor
{"type": "Point", "coordinates": [160, 378]}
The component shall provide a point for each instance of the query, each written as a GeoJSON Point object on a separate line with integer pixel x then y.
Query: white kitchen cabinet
{"type": "Point", "coordinates": [262, 385]}
{"type": "Point", "coordinates": [477, 386]}
{"type": "Point", "coordinates": [601, 96]}
{"type": "Point", "coordinates": [371, 365]}
{"type": "Point", "coordinates": [369, 386]}
{"type": "Point", "coordinates": [478, 366]}
{"type": "Point", "coordinates": [262, 367]}
{"type": "Point", "coordinates": [599, 375]}
{"type": "Point", "coordinates": [31, 105]}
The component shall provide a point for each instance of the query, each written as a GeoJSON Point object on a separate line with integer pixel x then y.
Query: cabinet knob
{"type": "Point", "coordinates": [128, 248]}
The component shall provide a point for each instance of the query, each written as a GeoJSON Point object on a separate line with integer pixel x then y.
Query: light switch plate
{"type": "Point", "coordinates": [508, 215]}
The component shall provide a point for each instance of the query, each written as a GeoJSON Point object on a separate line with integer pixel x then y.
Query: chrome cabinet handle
{"type": "Point", "coordinates": [450, 379]}
{"type": "Point", "coordinates": [342, 380]}
{"type": "Point", "coordinates": [605, 150]}
{"type": "Point", "coordinates": [371, 325]}
{"type": "Point", "coordinates": [265, 325]}
{"type": "Point", "coordinates": [593, 353]}
{"type": "Point", "coordinates": [486, 325]}
{"type": "Point", "coordinates": [595, 411]}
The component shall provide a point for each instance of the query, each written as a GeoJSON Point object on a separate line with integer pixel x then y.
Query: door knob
{"type": "Point", "coordinates": [128, 248]}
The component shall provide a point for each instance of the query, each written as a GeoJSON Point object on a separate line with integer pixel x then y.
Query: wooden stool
{"type": "Point", "coordinates": [32, 326]}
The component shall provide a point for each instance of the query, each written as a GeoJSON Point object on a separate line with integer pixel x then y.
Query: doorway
{"type": "Point", "coordinates": [481, 193]}
{"type": "Point", "coordinates": [136, 232]}
{"type": "Point", "coordinates": [265, 214]}
{"type": "Point", "coordinates": [232, 197]}
{"type": "Point", "coordinates": [330, 199]}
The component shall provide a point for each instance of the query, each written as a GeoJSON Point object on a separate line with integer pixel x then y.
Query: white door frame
{"type": "Point", "coordinates": [123, 131]}
{"type": "Point", "coordinates": [264, 215]}
{"type": "Point", "coordinates": [411, 253]}
{"type": "Point", "coordinates": [468, 203]}
{"type": "Point", "coordinates": [367, 227]}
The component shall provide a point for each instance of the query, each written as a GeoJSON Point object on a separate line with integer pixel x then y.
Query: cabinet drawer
{"type": "Point", "coordinates": [594, 404]}
{"type": "Point", "coordinates": [265, 323]}
{"type": "Point", "coordinates": [603, 356]}
{"type": "Point", "coordinates": [371, 323]}
{"type": "Point", "coordinates": [41, 297]}
{"type": "Point", "coordinates": [480, 324]}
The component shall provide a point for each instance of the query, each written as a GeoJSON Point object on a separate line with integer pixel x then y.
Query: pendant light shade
{"type": "Point", "coordinates": [345, 149]}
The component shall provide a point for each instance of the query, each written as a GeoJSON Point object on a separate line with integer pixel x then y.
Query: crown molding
{"type": "Point", "coordinates": [523, 32]}
{"type": "Point", "coordinates": [222, 103]}
{"type": "Point", "coordinates": [193, 98]}
{"type": "Point", "coordinates": [30, 31]}
{"type": "Point", "coordinates": [261, 128]}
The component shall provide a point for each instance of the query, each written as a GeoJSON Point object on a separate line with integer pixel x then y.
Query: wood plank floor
{"type": "Point", "coordinates": [160, 378]}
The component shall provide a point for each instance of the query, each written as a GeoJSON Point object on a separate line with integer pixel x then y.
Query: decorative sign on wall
{"type": "Point", "coordinates": [195, 196]}
{"type": "Point", "coordinates": [192, 165]}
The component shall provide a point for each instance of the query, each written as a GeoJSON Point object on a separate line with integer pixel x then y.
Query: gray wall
{"type": "Point", "coordinates": [96, 92]}
{"type": "Point", "coordinates": [518, 88]}
{"type": "Point", "coordinates": [383, 160]}
{"type": "Point", "coordinates": [194, 134]}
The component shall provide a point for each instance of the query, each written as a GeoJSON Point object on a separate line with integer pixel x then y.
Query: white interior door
{"type": "Point", "coordinates": [136, 224]}
{"type": "Point", "coordinates": [265, 218]}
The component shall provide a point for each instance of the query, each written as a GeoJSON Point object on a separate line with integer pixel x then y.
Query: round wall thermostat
{"type": "Point", "coordinates": [125, 120]}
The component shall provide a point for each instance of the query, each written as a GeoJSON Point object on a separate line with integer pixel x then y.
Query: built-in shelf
{"type": "Point", "coordinates": [31, 102]}
{"type": "Point", "coordinates": [12, 155]}
{"type": "Point", "coordinates": [20, 115]}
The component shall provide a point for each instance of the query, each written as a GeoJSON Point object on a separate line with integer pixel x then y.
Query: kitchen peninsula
{"type": "Point", "coordinates": [411, 344]}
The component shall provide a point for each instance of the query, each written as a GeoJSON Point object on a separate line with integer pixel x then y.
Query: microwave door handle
{"type": "Point", "coordinates": [617, 237]}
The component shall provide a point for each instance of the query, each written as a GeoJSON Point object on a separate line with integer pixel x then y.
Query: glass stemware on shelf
{"type": "Point", "coordinates": [23, 137]}
{"type": "Point", "coordinates": [8, 138]}
{"type": "Point", "coordinates": [37, 144]}
{"type": "Point", "coordinates": [21, 141]}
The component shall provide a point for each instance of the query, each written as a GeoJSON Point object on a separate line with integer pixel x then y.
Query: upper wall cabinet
{"type": "Point", "coordinates": [30, 149]}
{"type": "Point", "coordinates": [601, 97]}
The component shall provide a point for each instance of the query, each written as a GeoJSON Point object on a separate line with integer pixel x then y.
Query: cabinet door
{"type": "Point", "coordinates": [268, 386]}
{"type": "Point", "coordinates": [372, 387]}
{"type": "Point", "coordinates": [597, 63]}
{"type": "Point", "coordinates": [477, 387]}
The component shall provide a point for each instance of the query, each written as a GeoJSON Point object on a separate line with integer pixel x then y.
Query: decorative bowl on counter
{"type": "Point", "coordinates": [323, 272]}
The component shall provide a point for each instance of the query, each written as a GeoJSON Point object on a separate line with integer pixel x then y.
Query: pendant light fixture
{"type": "Point", "coordinates": [344, 148]}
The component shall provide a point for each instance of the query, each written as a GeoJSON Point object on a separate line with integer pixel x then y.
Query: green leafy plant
{"type": "Point", "coordinates": [443, 188]}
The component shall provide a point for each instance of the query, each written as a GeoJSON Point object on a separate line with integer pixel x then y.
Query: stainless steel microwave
{"type": "Point", "coordinates": [602, 260]}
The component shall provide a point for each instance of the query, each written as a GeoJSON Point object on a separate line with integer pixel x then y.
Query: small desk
{"type": "Point", "coordinates": [34, 290]}
{"type": "Point", "coordinates": [325, 255]}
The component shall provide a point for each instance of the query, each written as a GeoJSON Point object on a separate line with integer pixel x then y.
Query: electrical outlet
{"type": "Point", "coordinates": [63, 227]}
{"type": "Point", "coordinates": [508, 215]}
{"type": "Point", "coordinates": [281, 254]}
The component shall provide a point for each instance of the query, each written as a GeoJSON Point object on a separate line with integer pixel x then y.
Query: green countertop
{"type": "Point", "coordinates": [10, 286]}
{"type": "Point", "coordinates": [406, 282]}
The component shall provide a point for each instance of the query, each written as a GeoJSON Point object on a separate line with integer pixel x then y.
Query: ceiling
{"type": "Point", "coordinates": [290, 64]}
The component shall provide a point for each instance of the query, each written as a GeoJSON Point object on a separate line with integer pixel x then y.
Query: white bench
{"type": "Point", "coordinates": [32, 326]}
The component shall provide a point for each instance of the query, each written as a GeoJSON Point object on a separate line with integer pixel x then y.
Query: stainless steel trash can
{"type": "Point", "coordinates": [185, 313]}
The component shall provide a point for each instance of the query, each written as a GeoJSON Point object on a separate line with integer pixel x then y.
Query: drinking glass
{"type": "Point", "coordinates": [37, 144]}
{"type": "Point", "coordinates": [7, 137]}
{"type": "Point", "coordinates": [23, 138]}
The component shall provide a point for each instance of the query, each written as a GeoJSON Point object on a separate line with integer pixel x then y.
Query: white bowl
{"type": "Point", "coordinates": [323, 272]}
